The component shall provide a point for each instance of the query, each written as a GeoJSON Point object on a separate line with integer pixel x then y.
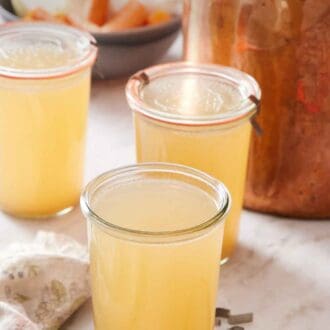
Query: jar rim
{"type": "Point", "coordinates": [223, 205]}
{"type": "Point", "coordinates": [86, 59]}
{"type": "Point", "coordinates": [246, 109]}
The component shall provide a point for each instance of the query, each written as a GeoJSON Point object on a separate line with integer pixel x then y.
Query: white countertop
{"type": "Point", "coordinates": [280, 271]}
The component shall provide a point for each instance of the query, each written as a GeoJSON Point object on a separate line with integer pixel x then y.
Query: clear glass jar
{"type": "Point", "coordinates": [155, 234]}
{"type": "Point", "coordinates": [285, 45]}
{"type": "Point", "coordinates": [45, 74]}
{"type": "Point", "coordinates": [197, 115]}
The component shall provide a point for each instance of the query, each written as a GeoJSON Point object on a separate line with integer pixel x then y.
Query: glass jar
{"type": "Point", "coordinates": [285, 46]}
{"type": "Point", "coordinates": [45, 74]}
{"type": "Point", "coordinates": [155, 235]}
{"type": "Point", "coordinates": [197, 115]}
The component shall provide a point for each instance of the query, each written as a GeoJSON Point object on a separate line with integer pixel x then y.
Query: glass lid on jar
{"type": "Point", "coordinates": [41, 50]}
{"type": "Point", "coordinates": [193, 94]}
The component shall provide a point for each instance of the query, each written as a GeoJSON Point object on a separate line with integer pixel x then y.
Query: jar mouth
{"type": "Point", "coordinates": [65, 38]}
{"type": "Point", "coordinates": [241, 82]}
{"type": "Point", "coordinates": [127, 172]}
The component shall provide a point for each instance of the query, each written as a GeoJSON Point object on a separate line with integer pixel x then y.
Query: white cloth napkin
{"type": "Point", "coordinates": [42, 283]}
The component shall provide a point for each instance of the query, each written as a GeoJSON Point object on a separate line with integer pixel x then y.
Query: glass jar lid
{"type": "Point", "coordinates": [41, 50]}
{"type": "Point", "coordinates": [187, 93]}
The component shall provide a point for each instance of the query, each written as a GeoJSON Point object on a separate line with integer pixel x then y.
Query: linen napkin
{"type": "Point", "coordinates": [42, 283]}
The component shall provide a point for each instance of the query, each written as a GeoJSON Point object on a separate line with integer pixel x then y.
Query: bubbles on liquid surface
{"type": "Point", "coordinates": [185, 94]}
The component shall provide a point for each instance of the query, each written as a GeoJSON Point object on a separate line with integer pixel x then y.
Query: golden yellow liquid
{"type": "Point", "coordinates": [218, 151]}
{"type": "Point", "coordinates": [145, 285]}
{"type": "Point", "coordinates": [42, 139]}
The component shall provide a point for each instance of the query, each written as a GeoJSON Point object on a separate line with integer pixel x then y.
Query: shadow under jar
{"type": "Point", "coordinates": [155, 234]}
{"type": "Point", "coordinates": [285, 45]}
{"type": "Point", "coordinates": [197, 115]}
{"type": "Point", "coordinates": [45, 74]}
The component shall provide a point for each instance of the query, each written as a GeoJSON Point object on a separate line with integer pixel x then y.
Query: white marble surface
{"type": "Point", "coordinates": [280, 271]}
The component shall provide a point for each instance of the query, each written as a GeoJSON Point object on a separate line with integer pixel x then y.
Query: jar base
{"type": "Point", "coordinates": [40, 217]}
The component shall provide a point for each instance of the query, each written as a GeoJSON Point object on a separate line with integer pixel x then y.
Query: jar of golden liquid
{"type": "Point", "coordinates": [45, 77]}
{"type": "Point", "coordinates": [197, 115]}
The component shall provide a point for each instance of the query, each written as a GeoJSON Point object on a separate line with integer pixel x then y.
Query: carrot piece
{"type": "Point", "coordinates": [133, 14]}
{"type": "Point", "coordinates": [39, 14]}
{"type": "Point", "coordinates": [158, 16]}
{"type": "Point", "coordinates": [98, 12]}
{"type": "Point", "coordinates": [65, 19]}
